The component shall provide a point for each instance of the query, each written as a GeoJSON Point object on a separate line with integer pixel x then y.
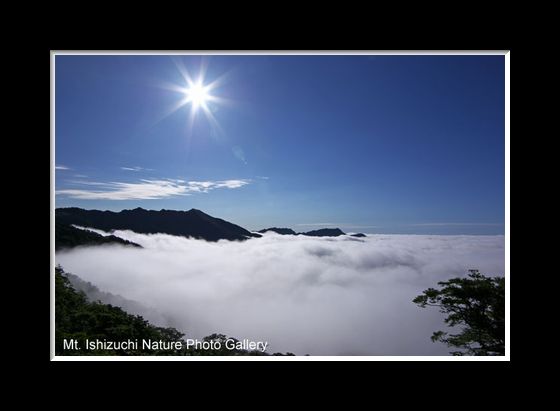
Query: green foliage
{"type": "Point", "coordinates": [475, 303]}
{"type": "Point", "coordinates": [76, 318]}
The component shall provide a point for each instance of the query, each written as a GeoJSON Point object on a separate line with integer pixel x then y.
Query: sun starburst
{"type": "Point", "coordinates": [197, 94]}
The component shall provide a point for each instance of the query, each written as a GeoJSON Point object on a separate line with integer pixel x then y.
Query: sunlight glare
{"type": "Point", "coordinates": [197, 95]}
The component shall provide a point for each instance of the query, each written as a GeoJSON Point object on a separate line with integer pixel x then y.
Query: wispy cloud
{"type": "Point", "coordinates": [61, 167]}
{"type": "Point", "coordinates": [206, 186]}
{"type": "Point", "coordinates": [146, 189]}
{"type": "Point", "coordinates": [136, 169]}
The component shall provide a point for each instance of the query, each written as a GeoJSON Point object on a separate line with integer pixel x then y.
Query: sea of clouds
{"type": "Point", "coordinates": [307, 295]}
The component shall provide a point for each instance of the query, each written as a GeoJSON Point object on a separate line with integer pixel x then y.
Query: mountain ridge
{"type": "Point", "coordinates": [192, 223]}
{"type": "Point", "coordinates": [68, 236]}
{"type": "Point", "coordinates": [277, 230]}
{"type": "Point", "coordinates": [323, 232]}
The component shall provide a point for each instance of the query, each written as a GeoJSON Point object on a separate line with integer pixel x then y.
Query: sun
{"type": "Point", "coordinates": [198, 95]}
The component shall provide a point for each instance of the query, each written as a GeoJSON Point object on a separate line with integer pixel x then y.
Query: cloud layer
{"type": "Point", "coordinates": [146, 189]}
{"type": "Point", "coordinates": [307, 295]}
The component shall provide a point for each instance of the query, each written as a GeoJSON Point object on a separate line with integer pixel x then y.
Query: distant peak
{"type": "Point", "coordinates": [325, 232]}
{"type": "Point", "coordinates": [283, 231]}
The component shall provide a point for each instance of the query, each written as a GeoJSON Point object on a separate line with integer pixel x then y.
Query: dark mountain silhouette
{"type": "Point", "coordinates": [325, 232]}
{"type": "Point", "coordinates": [192, 223]}
{"type": "Point", "coordinates": [283, 231]}
{"type": "Point", "coordinates": [358, 235]}
{"type": "Point", "coordinates": [67, 236]}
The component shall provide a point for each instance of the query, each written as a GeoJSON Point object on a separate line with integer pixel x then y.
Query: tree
{"type": "Point", "coordinates": [477, 303]}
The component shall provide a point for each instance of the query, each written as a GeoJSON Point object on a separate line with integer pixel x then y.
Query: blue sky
{"type": "Point", "coordinates": [378, 144]}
